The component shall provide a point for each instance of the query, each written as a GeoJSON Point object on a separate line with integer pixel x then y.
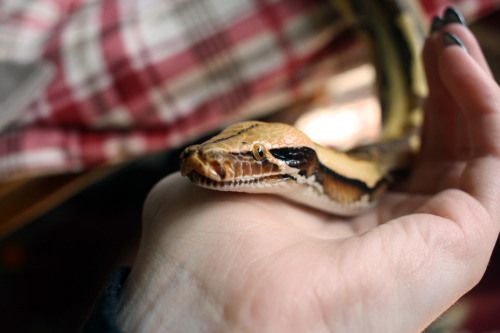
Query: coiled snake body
{"type": "Point", "coordinates": [260, 157]}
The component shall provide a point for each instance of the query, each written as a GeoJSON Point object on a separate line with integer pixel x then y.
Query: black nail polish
{"type": "Point", "coordinates": [437, 24]}
{"type": "Point", "coordinates": [451, 15]}
{"type": "Point", "coordinates": [450, 39]}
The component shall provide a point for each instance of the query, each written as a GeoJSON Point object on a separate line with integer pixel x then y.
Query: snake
{"type": "Point", "coordinates": [261, 157]}
{"type": "Point", "coordinates": [277, 158]}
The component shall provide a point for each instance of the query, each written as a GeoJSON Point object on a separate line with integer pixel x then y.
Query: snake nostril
{"type": "Point", "coordinates": [202, 156]}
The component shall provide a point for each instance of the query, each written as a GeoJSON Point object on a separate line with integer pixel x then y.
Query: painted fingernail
{"type": "Point", "coordinates": [451, 15]}
{"type": "Point", "coordinates": [437, 24]}
{"type": "Point", "coordinates": [450, 39]}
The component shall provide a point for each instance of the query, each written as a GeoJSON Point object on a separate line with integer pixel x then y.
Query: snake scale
{"type": "Point", "coordinates": [259, 157]}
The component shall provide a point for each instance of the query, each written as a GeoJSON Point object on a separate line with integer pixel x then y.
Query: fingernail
{"type": "Point", "coordinates": [450, 39]}
{"type": "Point", "coordinates": [451, 15]}
{"type": "Point", "coordinates": [437, 24]}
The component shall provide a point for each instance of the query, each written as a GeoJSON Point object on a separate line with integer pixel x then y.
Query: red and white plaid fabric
{"type": "Point", "coordinates": [137, 76]}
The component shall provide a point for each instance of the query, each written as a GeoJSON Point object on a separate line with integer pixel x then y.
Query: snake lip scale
{"type": "Point", "coordinates": [230, 185]}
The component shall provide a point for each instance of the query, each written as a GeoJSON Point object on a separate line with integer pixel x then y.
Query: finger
{"type": "Point", "coordinates": [444, 132]}
{"type": "Point", "coordinates": [478, 97]}
{"type": "Point", "coordinates": [466, 36]}
{"type": "Point", "coordinates": [455, 24]}
{"type": "Point", "coordinates": [463, 144]}
{"type": "Point", "coordinates": [439, 129]}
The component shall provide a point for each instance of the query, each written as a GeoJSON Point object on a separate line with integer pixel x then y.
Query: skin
{"type": "Point", "coordinates": [228, 262]}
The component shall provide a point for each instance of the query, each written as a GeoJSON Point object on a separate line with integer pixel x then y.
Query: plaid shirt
{"type": "Point", "coordinates": [137, 76]}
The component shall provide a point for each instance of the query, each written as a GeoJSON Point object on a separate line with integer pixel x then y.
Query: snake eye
{"type": "Point", "coordinates": [259, 151]}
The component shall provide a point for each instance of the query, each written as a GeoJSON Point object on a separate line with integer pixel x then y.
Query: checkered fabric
{"type": "Point", "coordinates": [138, 76]}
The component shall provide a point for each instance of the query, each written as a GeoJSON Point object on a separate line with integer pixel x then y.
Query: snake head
{"type": "Point", "coordinates": [248, 155]}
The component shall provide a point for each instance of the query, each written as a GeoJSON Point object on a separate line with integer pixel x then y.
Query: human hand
{"type": "Point", "coordinates": [227, 262]}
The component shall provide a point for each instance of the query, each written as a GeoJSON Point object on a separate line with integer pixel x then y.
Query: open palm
{"type": "Point", "coordinates": [226, 262]}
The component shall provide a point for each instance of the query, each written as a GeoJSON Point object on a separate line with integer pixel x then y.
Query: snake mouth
{"type": "Point", "coordinates": [249, 184]}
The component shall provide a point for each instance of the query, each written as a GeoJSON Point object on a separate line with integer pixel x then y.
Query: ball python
{"type": "Point", "coordinates": [259, 157]}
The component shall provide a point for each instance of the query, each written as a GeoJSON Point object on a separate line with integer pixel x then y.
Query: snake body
{"type": "Point", "coordinates": [259, 157]}
{"type": "Point", "coordinates": [276, 158]}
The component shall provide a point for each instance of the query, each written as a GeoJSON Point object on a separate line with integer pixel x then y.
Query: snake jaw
{"type": "Point", "coordinates": [237, 172]}
{"type": "Point", "coordinates": [276, 182]}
